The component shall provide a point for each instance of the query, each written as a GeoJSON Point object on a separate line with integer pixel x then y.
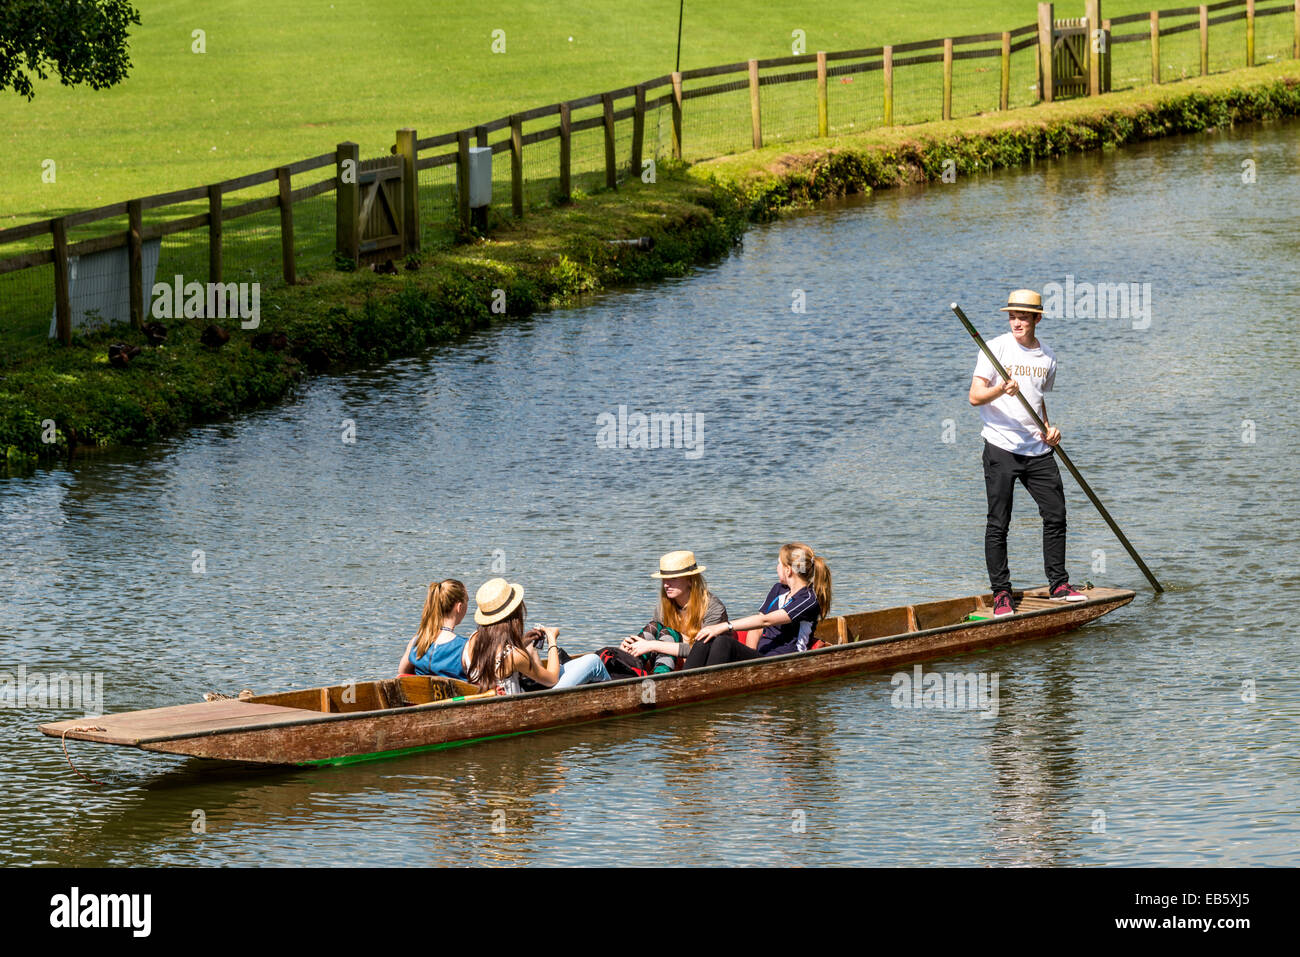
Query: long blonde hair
{"type": "Point", "coordinates": [685, 621]}
{"type": "Point", "coordinates": [438, 605]}
{"type": "Point", "coordinates": [813, 569]}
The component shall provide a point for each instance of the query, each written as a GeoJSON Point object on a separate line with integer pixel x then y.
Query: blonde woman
{"type": "Point", "coordinates": [436, 648]}
{"type": "Point", "coordinates": [685, 606]}
{"type": "Point", "coordinates": [789, 615]}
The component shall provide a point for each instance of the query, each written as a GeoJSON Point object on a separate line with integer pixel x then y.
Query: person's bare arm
{"type": "Point", "coordinates": [982, 392]}
{"type": "Point", "coordinates": [406, 668]}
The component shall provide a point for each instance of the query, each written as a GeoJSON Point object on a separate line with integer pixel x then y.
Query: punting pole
{"type": "Point", "coordinates": [1060, 453]}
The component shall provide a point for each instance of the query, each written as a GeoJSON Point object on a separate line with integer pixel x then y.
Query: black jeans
{"type": "Point", "coordinates": [1041, 477]}
{"type": "Point", "coordinates": [717, 651]}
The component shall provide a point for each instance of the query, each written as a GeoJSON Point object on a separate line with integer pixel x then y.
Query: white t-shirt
{"type": "Point", "coordinates": [1006, 423]}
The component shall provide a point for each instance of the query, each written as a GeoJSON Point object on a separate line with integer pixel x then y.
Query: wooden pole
{"type": "Point", "coordinates": [1295, 32]}
{"type": "Point", "coordinates": [566, 153]}
{"type": "Point", "coordinates": [1092, 10]}
{"type": "Point", "coordinates": [1004, 89]}
{"type": "Point", "coordinates": [408, 151]}
{"type": "Point", "coordinates": [135, 259]}
{"type": "Point", "coordinates": [517, 166]}
{"type": "Point", "coordinates": [822, 113]}
{"type": "Point", "coordinates": [1250, 32]}
{"type": "Point", "coordinates": [611, 159]}
{"type": "Point", "coordinates": [755, 112]}
{"type": "Point", "coordinates": [1046, 37]}
{"type": "Point", "coordinates": [947, 78]}
{"type": "Point", "coordinates": [1205, 40]}
{"type": "Point", "coordinates": [677, 115]}
{"type": "Point", "coordinates": [347, 200]}
{"type": "Point", "coordinates": [214, 233]}
{"type": "Point", "coordinates": [62, 304]}
{"type": "Point", "coordinates": [286, 225]}
{"type": "Point", "coordinates": [1060, 452]}
{"type": "Point", "coordinates": [462, 177]}
{"type": "Point", "coordinates": [1155, 46]}
{"type": "Point", "coordinates": [887, 65]}
{"type": "Point", "coordinates": [638, 131]}
{"type": "Point", "coordinates": [1105, 57]}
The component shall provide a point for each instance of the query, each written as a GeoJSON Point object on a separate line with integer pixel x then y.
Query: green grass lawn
{"type": "Point", "coordinates": [286, 80]}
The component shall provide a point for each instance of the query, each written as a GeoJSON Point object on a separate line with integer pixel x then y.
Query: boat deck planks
{"type": "Point", "coordinates": [203, 717]}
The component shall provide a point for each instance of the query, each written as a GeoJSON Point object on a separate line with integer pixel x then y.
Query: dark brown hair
{"type": "Point", "coordinates": [492, 642]}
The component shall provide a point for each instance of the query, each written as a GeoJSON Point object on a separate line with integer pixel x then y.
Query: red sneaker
{"type": "Point", "coordinates": [1002, 604]}
{"type": "Point", "coordinates": [1066, 592]}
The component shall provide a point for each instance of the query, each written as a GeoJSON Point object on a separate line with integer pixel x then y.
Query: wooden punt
{"type": "Point", "coordinates": [378, 719]}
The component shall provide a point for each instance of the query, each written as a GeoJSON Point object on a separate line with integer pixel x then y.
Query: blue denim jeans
{"type": "Point", "coordinates": [582, 670]}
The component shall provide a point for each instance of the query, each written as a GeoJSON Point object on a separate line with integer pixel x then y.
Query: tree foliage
{"type": "Point", "coordinates": [83, 41]}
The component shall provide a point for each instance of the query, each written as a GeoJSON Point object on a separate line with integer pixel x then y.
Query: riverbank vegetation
{"type": "Point", "coordinates": [55, 399]}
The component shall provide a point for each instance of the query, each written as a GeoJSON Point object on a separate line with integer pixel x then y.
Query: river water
{"type": "Point", "coordinates": [1166, 733]}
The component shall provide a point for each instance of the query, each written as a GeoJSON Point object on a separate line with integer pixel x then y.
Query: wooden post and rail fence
{"type": "Point", "coordinates": [377, 202]}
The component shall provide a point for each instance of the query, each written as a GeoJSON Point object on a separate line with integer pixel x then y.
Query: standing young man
{"type": "Point", "coordinates": [1014, 449]}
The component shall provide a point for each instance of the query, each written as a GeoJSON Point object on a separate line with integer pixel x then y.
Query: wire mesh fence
{"type": "Point", "coordinates": [716, 120]}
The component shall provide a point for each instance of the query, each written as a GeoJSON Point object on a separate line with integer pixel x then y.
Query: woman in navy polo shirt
{"type": "Point", "coordinates": [797, 602]}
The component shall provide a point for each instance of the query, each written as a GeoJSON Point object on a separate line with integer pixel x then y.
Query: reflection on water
{"type": "Point", "coordinates": [825, 427]}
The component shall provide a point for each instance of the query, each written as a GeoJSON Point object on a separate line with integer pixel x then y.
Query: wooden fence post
{"type": "Point", "coordinates": [755, 113]}
{"type": "Point", "coordinates": [1004, 89]}
{"type": "Point", "coordinates": [1250, 32]}
{"type": "Point", "coordinates": [1205, 40]}
{"type": "Point", "coordinates": [516, 166]}
{"type": "Point", "coordinates": [214, 233]}
{"type": "Point", "coordinates": [286, 225]}
{"type": "Point", "coordinates": [1046, 36]}
{"type": "Point", "coordinates": [347, 201]}
{"type": "Point", "coordinates": [887, 68]}
{"type": "Point", "coordinates": [638, 131]}
{"type": "Point", "coordinates": [135, 259]}
{"type": "Point", "coordinates": [677, 115]}
{"type": "Point", "coordinates": [611, 160]}
{"type": "Point", "coordinates": [1155, 46]}
{"type": "Point", "coordinates": [1092, 10]}
{"type": "Point", "coordinates": [407, 150]}
{"type": "Point", "coordinates": [947, 78]}
{"type": "Point", "coordinates": [62, 304]}
{"type": "Point", "coordinates": [462, 177]}
{"type": "Point", "coordinates": [822, 113]}
{"type": "Point", "coordinates": [566, 153]}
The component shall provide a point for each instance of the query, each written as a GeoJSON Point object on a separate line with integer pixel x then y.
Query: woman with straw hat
{"type": "Point", "coordinates": [685, 606]}
{"type": "Point", "coordinates": [500, 653]}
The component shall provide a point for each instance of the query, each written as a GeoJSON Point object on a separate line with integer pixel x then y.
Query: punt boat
{"type": "Point", "coordinates": [369, 720]}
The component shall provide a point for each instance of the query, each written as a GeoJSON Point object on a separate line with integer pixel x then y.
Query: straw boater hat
{"type": "Point", "coordinates": [1024, 300]}
{"type": "Point", "coordinates": [678, 565]}
{"type": "Point", "coordinates": [496, 599]}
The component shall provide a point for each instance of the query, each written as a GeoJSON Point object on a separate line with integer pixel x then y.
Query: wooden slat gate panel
{"type": "Point", "coordinates": [1070, 39]}
{"type": "Point", "coordinates": [380, 215]}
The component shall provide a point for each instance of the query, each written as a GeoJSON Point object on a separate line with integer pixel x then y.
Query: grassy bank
{"type": "Point", "coordinates": [768, 181]}
{"type": "Point", "coordinates": [74, 398]}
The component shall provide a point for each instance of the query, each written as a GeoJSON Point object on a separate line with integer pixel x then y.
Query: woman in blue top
{"type": "Point", "coordinates": [436, 648]}
{"type": "Point", "coordinates": [790, 613]}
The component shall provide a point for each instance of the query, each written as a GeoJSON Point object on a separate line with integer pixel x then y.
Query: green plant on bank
{"type": "Point", "coordinates": [338, 319]}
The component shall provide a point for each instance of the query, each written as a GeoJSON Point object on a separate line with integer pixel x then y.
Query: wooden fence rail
{"type": "Point", "coordinates": [411, 155]}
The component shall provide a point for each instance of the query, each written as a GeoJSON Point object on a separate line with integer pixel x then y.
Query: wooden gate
{"type": "Point", "coordinates": [379, 220]}
{"type": "Point", "coordinates": [1070, 39]}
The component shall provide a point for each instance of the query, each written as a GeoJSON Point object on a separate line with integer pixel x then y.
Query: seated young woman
{"type": "Point", "coordinates": [797, 602]}
{"type": "Point", "coordinates": [500, 652]}
{"type": "Point", "coordinates": [685, 606]}
{"type": "Point", "coordinates": [436, 648]}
